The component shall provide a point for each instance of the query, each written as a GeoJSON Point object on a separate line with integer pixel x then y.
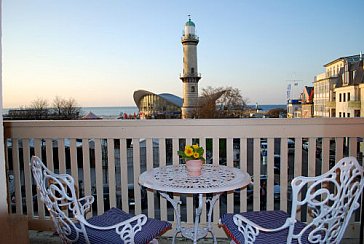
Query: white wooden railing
{"type": "Point", "coordinates": [106, 158]}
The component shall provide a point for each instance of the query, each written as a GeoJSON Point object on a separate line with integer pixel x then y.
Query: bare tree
{"type": "Point", "coordinates": [39, 104]}
{"type": "Point", "coordinates": [38, 109]}
{"type": "Point", "coordinates": [221, 102]}
{"type": "Point", "coordinates": [66, 108]}
{"type": "Point", "coordinates": [58, 105]}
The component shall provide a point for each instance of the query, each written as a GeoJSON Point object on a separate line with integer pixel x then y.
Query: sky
{"type": "Point", "coordinates": [100, 52]}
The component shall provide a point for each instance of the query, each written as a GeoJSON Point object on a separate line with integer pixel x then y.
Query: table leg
{"type": "Point", "coordinates": [196, 232]}
{"type": "Point", "coordinates": [212, 202]}
{"type": "Point", "coordinates": [177, 213]}
{"type": "Point", "coordinates": [197, 218]}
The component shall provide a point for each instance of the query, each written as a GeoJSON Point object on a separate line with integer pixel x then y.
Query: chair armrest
{"type": "Point", "coordinates": [124, 229]}
{"type": "Point", "coordinates": [250, 230]}
{"type": "Point", "coordinates": [85, 204]}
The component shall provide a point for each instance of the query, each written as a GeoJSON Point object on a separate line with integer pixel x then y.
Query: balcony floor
{"type": "Point", "coordinates": [46, 237]}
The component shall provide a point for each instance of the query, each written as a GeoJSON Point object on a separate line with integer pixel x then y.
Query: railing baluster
{"type": "Point", "coordinates": [283, 181]}
{"type": "Point", "coordinates": [189, 198]}
{"type": "Point", "coordinates": [111, 172]}
{"type": "Point", "coordinates": [353, 151]}
{"type": "Point", "coordinates": [136, 164]}
{"type": "Point", "coordinates": [61, 156]}
{"type": "Point", "coordinates": [99, 177]}
{"type": "Point", "coordinates": [244, 167]}
{"type": "Point", "coordinates": [37, 152]}
{"type": "Point", "coordinates": [74, 164]}
{"type": "Point", "coordinates": [175, 160]}
{"type": "Point", "coordinates": [325, 155]}
{"type": "Point", "coordinates": [124, 175]}
{"type": "Point", "coordinates": [202, 143]}
{"type": "Point", "coordinates": [298, 165]}
{"type": "Point", "coordinates": [339, 149]}
{"type": "Point", "coordinates": [86, 171]}
{"type": "Point", "coordinates": [215, 161]}
{"type": "Point", "coordinates": [256, 174]}
{"type": "Point", "coordinates": [162, 162]}
{"type": "Point", "coordinates": [230, 162]}
{"type": "Point", "coordinates": [311, 164]}
{"type": "Point", "coordinates": [150, 194]}
{"type": "Point", "coordinates": [270, 174]}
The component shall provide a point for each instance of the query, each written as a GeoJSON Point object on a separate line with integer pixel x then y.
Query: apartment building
{"type": "Point", "coordinates": [326, 86]}
{"type": "Point", "coordinates": [348, 90]}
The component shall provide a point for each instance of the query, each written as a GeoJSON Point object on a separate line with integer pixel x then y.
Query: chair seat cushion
{"type": "Point", "coordinates": [150, 230]}
{"type": "Point", "coordinates": [266, 219]}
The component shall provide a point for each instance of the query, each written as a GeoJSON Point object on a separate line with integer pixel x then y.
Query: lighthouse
{"type": "Point", "coordinates": [190, 75]}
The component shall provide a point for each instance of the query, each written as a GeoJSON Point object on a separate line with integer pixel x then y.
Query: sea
{"type": "Point", "coordinates": [116, 112]}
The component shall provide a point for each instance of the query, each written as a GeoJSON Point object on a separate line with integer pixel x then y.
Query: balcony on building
{"type": "Point", "coordinates": [354, 104]}
{"type": "Point", "coordinates": [106, 157]}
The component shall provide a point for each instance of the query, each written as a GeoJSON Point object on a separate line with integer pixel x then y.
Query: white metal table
{"type": "Point", "coordinates": [214, 179]}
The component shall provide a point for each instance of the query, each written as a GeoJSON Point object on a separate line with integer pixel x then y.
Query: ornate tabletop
{"type": "Point", "coordinates": [213, 179]}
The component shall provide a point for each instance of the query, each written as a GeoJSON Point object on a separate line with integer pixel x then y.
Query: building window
{"type": "Point", "coordinates": [343, 114]}
{"type": "Point", "coordinates": [340, 97]}
{"type": "Point", "coordinates": [344, 97]}
{"type": "Point", "coordinates": [339, 114]}
{"type": "Point", "coordinates": [356, 113]}
{"type": "Point", "coordinates": [192, 70]}
{"type": "Point", "coordinates": [192, 88]}
{"type": "Point", "coordinates": [348, 115]}
{"type": "Point", "coordinates": [348, 96]}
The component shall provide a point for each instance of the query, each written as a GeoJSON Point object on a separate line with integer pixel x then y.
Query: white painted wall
{"type": "Point", "coordinates": [3, 202]}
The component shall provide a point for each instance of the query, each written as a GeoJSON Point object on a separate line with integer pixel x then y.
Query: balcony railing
{"type": "Point", "coordinates": [354, 104]}
{"type": "Point", "coordinates": [331, 104]}
{"type": "Point", "coordinates": [106, 158]}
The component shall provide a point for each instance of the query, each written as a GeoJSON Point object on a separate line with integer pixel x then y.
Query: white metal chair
{"type": "Point", "coordinates": [331, 198]}
{"type": "Point", "coordinates": [57, 191]}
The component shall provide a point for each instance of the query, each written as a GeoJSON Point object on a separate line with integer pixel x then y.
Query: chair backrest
{"type": "Point", "coordinates": [57, 191]}
{"type": "Point", "coordinates": [331, 198]}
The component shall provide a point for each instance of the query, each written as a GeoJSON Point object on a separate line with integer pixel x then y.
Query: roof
{"type": "Point", "coordinates": [309, 93]}
{"type": "Point", "coordinates": [166, 96]}
{"type": "Point", "coordinates": [356, 79]}
{"type": "Point", "coordinates": [91, 115]}
{"type": "Point", "coordinates": [172, 99]}
{"type": "Point", "coordinates": [350, 59]}
{"type": "Point", "coordinates": [190, 23]}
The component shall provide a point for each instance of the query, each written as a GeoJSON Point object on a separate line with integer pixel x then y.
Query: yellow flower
{"type": "Point", "coordinates": [196, 155]}
{"type": "Point", "coordinates": [195, 146]}
{"type": "Point", "coordinates": [188, 151]}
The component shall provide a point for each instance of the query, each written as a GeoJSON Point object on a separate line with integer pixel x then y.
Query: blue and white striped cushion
{"type": "Point", "coordinates": [266, 219]}
{"type": "Point", "coordinates": [150, 230]}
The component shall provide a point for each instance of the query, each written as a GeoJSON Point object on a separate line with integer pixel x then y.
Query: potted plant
{"type": "Point", "coordinates": [193, 156]}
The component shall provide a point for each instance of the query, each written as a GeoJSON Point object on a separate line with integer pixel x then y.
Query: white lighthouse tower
{"type": "Point", "coordinates": [190, 75]}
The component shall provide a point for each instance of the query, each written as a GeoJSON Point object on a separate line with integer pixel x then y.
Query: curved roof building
{"type": "Point", "coordinates": [157, 106]}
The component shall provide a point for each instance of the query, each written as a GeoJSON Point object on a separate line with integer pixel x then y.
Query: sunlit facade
{"type": "Point", "coordinates": [153, 106]}
{"type": "Point", "coordinates": [325, 84]}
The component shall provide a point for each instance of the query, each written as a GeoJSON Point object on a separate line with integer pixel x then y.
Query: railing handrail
{"type": "Point", "coordinates": [227, 128]}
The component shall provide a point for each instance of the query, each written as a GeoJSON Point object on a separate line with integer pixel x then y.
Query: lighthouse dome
{"type": "Point", "coordinates": [190, 23]}
{"type": "Point", "coordinates": [189, 28]}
